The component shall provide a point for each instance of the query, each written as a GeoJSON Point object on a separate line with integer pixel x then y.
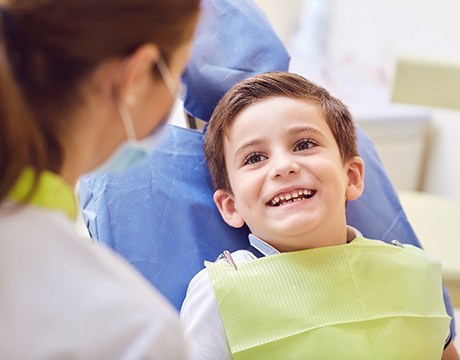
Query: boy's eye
{"type": "Point", "coordinates": [304, 144]}
{"type": "Point", "coordinates": [254, 158]}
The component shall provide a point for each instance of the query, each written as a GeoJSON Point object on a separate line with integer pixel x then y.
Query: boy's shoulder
{"type": "Point", "coordinates": [361, 240]}
{"type": "Point", "coordinates": [409, 253]}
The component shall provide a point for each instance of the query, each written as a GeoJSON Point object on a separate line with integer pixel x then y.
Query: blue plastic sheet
{"type": "Point", "coordinates": [234, 40]}
{"type": "Point", "coordinates": [161, 217]}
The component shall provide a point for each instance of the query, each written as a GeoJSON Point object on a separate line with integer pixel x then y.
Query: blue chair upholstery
{"type": "Point", "coordinates": [161, 216]}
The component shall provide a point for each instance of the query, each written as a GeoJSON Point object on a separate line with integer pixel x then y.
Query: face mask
{"type": "Point", "coordinates": [134, 152]}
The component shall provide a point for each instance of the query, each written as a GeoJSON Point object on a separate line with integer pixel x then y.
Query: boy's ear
{"type": "Point", "coordinates": [355, 174]}
{"type": "Point", "coordinates": [226, 205]}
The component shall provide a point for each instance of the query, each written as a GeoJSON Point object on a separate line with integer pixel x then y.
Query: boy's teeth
{"type": "Point", "coordinates": [296, 195]}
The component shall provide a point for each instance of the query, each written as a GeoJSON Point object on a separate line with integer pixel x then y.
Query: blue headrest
{"type": "Point", "coordinates": [234, 40]}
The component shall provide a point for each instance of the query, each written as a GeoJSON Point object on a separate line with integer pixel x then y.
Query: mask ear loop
{"type": "Point", "coordinates": [122, 106]}
{"type": "Point", "coordinates": [172, 86]}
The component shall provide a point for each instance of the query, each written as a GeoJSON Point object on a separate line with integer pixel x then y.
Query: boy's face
{"type": "Point", "coordinates": [288, 179]}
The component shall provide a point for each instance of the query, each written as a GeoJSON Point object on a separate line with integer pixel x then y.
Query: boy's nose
{"type": "Point", "coordinates": [284, 167]}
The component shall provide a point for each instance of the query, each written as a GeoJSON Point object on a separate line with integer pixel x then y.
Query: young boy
{"type": "Point", "coordinates": [283, 157]}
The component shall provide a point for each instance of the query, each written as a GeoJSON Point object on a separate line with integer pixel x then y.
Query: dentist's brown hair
{"type": "Point", "coordinates": [48, 48]}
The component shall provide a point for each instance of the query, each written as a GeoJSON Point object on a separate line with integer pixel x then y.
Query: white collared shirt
{"type": "Point", "coordinates": [266, 249]}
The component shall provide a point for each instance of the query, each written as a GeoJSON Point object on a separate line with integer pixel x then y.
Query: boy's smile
{"type": "Point", "coordinates": [292, 196]}
{"type": "Point", "coordinates": [289, 183]}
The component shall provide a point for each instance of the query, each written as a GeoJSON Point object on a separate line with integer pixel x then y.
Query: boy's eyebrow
{"type": "Point", "coordinates": [246, 145]}
{"type": "Point", "coordinates": [305, 128]}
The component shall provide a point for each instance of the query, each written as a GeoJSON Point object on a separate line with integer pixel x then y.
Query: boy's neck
{"type": "Point", "coordinates": [267, 249]}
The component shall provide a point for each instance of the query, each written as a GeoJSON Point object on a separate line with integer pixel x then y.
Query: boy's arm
{"type": "Point", "coordinates": [202, 323]}
{"type": "Point", "coordinates": [450, 353]}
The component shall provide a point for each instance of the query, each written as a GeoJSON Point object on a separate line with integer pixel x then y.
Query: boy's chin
{"type": "Point", "coordinates": [295, 232]}
{"type": "Point", "coordinates": [298, 224]}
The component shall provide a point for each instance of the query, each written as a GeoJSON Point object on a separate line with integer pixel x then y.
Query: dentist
{"type": "Point", "coordinates": [85, 85]}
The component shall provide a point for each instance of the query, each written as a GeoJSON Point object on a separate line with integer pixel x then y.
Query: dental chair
{"type": "Point", "coordinates": [161, 217]}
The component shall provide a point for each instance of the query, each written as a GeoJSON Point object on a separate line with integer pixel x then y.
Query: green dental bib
{"type": "Point", "coordinates": [363, 300]}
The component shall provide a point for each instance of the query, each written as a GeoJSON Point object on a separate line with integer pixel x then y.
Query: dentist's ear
{"type": "Point", "coordinates": [355, 175]}
{"type": "Point", "coordinates": [135, 71]}
{"type": "Point", "coordinates": [226, 205]}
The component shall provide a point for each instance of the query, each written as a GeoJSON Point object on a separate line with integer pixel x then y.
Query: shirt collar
{"type": "Point", "coordinates": [267, 250]}
{"type": "Point", "coordinates": [52, 192]}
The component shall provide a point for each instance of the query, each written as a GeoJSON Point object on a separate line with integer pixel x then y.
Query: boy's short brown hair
{"type": "Point", "coordinates": [261, 87]}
